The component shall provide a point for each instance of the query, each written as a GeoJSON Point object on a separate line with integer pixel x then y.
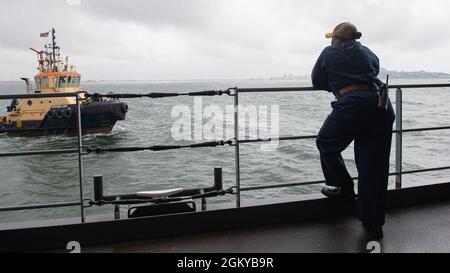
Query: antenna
{"type": "Point", "coordinates": [53, 43]}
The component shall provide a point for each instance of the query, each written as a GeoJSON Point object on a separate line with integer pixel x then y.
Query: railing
{"type": "Point", "coordinates": [78, 151]}
{"type": "Point", "coordinates": [399, 131]}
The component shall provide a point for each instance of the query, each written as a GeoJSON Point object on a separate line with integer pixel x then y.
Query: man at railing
{"type": "Point", "coordinates": [350, 70]}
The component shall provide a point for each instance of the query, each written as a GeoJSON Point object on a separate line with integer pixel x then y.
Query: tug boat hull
{"type": "Point", "coordinates": [96, 117]}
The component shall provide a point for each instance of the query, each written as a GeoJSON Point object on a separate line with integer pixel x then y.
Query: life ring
{"type": "Point", "coordinates": [67, 113]}
{"type": "Point", "coordinates": [59, 114]}
{"type": "Point", "coordinates": [50, 114]}
{"type": "Point", "coordinates": [124, 107]}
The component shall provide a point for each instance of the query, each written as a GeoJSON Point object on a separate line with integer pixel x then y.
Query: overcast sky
{"type": "Point", "coordinates": [205, 39]}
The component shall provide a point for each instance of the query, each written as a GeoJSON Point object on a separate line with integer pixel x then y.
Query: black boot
{"type": "Point", "coordinates": [339, 192]}
{"type": "Point", "coordinates": [374, 231]}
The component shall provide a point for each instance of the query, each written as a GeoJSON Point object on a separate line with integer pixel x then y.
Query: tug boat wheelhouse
{"type": "Point", "coordinates": [50, 116]}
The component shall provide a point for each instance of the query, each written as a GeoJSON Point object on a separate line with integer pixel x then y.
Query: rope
{"type": "Point", "coordinates": [162, 95]}
{"type": "Point", "coordinates": [99, 150]}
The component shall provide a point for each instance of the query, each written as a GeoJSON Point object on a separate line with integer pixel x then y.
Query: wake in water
{"type": "Point", "coordinates": [117, 131]}
{"type": "Point", "coordinates": [48, 138]}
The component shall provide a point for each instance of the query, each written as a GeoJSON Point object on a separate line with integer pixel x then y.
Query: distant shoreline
{"type": "Point", "coordinates": [219, 80]}
{"type": "Point", "coordinates": [393, 75]}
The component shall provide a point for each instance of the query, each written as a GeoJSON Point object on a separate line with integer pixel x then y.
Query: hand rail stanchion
{"type": "Point", "coordinates": [237, 156]}
{"type": "Point", "coordinates": [80, 156]}
{"type": "Point", "coordinates": [398, 138]}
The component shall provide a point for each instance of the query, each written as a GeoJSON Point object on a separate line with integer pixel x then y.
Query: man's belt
{"type": "Point", "coordinates": [354, 87]}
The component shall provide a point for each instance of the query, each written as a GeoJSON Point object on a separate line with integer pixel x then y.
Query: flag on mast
{"type": "Point", "coordinates": [45, 34]}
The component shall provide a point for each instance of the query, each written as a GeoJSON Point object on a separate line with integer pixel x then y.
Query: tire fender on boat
{"type": "Point", "coordinates": [50, 114]}
{"type": "Point", "coordinates": [67, 113]}
{"type": "Point", "coordinates": [59, 113]}
{"type": "Point", "coordinates": [124, 107]}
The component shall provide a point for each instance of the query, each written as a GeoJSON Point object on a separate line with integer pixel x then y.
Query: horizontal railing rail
{"type": "Point", "coordinates": [41, 152]}
{"type": "Point", "coordinates": [246, 141]}
{"type": "Point", "coordinates": [40, 206]}
{"type": "Point", "coordinates": [38, 95]}
{"type": "Point", "coordinates": [305, 89]}
{"type": "Point", "coordinates": [424, 129]}
{"type": "Point", "coordinates": [399, 131]}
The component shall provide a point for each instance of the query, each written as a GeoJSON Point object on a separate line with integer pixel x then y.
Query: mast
{"type": "Point", "coordinates": [54, 48]}
{"type": "Point", "coordinates": [52, 61]}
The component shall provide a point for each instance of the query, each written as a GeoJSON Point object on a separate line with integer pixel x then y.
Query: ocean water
{"type": "Point", "coordinates": [48, 179]}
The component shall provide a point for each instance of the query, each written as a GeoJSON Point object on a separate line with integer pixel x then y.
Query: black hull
{"type": "Point", "coordinates": [97, 117]}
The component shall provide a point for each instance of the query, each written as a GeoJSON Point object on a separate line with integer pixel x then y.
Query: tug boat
{"type": "Point", "coordinates": [55, 116]}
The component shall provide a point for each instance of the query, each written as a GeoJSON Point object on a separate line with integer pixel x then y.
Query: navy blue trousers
{"type": "Point", "coordinates": [356, 117]}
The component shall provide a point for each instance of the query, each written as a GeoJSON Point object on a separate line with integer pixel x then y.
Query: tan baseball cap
{"type": "Point", "coordinates": [345, 30]}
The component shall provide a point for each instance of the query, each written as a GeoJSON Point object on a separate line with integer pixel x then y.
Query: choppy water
{"type": "Point", "coordinates": [44, 179]}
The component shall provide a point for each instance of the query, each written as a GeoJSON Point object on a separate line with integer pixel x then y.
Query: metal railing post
{"type": "Point", "coordinates": [398, 138]}
{"type": "Point", "coordinates": [237, 156]}
{"type": "Point", "coordinates": [80, 155]}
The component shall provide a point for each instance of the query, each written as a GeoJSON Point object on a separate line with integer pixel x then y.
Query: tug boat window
{"type": "Point", "coordinates": [69, 81]}
{"type": "Point", "coordinates": [62, 81]}
{"type": "Point", "coordinates": [54, 81]}
{"type": "Point", "coordinates": [44, 82]}
{"type": "Point", "coordinates": [41, 82]}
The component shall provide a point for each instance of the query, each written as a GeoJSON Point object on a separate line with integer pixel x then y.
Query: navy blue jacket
{"type": "Point", "coordinates": [343, 64]}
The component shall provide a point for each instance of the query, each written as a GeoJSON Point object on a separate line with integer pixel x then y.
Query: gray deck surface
{"type": "Point", "coordinates": [408, 230]}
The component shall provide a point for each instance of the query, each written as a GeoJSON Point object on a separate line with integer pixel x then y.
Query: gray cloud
{"type": "Point", "coordinates": [157, 39]}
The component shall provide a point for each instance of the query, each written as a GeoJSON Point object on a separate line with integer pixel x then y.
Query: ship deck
{"type": "Point", "coordinates": [424, 229]}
